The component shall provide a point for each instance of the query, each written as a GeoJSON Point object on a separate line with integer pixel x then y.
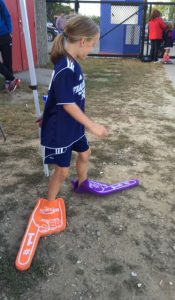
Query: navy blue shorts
{"type": "Point", "coordinates": [62, 156]}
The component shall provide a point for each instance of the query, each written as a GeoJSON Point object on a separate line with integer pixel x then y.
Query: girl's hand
{"type": "Point", "coordinates": [39, 121]}
{"type": "Point", "coordinates": [98, 130]}
{"type": "Point", "coordinates": [77, 114]}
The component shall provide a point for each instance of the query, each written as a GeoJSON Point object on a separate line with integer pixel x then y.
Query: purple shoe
{"type": "Point", "coordinates": [102, 189]}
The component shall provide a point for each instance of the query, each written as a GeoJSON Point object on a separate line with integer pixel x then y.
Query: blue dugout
{"type": "Point", "coordinates": [120, 27]}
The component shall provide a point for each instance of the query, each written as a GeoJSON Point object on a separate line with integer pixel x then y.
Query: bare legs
{"type": "Point", "coordinates": [60, 174]}
{"type": "Point", "coordinates": [82, 165]}
{"type": "Point", "coordinates": [166, 56]}
{"type": "Point", "coordinates": [56, 181]}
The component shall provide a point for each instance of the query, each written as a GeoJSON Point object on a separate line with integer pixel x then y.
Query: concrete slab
{"type": "Point", "coordinates": [43, 76]}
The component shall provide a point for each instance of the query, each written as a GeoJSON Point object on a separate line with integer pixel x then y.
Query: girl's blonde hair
{"type": "Point", "coordinates": [169, 26]}
{"type": "Point", "coordinates": [76, 27]}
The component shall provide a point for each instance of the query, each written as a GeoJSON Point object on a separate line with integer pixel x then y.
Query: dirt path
{"type": "Point", "coordinates": [120, 247]}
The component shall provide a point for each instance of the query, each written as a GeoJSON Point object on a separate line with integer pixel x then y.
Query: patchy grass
{"type": "Point", "coordinates": [106, 238]}
{"type": "Point", "coordinates": [113, 268]}
{"type": "Point", "coordinates": [30, 179]}
{"type": "Point", "coordinates": [3, 155]}
{"type": "Point", "coordinates": [24, 152]}
{"type": "Point", "coordinates": [15, 283]}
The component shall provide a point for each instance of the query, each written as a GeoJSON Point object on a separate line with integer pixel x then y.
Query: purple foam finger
{"type": "Point", "coordinates": [103, 189]}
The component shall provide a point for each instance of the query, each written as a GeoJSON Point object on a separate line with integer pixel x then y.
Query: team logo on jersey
{"type": "Point", "coordinates": [80, 90]}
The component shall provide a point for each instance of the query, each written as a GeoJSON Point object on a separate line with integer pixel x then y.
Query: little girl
{"type": "Point", "coordinates": [168, 42]}
{"type": "Point", "coordinates": [64, 120]}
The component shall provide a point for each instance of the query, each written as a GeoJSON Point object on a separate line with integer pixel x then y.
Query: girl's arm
{"type": "Point", "coordinates": [78, 115]}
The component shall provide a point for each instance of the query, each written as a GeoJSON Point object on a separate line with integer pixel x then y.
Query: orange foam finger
{"type": "Point", "coordinates": [48, 217]}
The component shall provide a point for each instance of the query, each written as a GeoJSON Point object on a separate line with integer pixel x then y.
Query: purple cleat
{"type": "Point", "coordinates": [102, 189]}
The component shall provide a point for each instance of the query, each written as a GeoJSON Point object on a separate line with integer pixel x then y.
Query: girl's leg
{"type": "Point", "coordinates": [82, 165]}
{"type": "Point", "coordinates": [6, 51]}
{"type": "Point", "coordinates": [56, 181]}
{"type": "Point", "coordinates": [5, 72]}
{"type": "Point", "coordinates": [152, 50]}
{"type": "Point", "coordinates": [165, 55]}
{"type": "Point", "coordinates": [168, 54]}
{"type": "Point", "coordinates": [156, 50]}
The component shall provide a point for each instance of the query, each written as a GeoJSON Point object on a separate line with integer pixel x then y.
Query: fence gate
{"type": "Point", "coordinates": [121, 26]}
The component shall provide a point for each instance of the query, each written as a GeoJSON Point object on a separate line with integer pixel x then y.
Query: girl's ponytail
{"type": "Point", "coordinates": [57, 48]}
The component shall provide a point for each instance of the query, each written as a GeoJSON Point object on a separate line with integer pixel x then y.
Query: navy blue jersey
{"type": "Point", "coordinates": [59, 129]}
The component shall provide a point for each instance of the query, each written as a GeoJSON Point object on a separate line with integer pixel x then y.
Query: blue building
{"type": "Point", "coordinates": [123, 39]}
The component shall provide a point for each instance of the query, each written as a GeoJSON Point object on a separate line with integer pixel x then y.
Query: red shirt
{"type": "Point", "coordinates": [156, 27]}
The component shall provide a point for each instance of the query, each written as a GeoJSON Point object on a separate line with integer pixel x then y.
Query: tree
{"type": "Point", "coordinates": [171, 15]}
{"type": "Point", "coordinates": [96, 19]}
{"type": "Point", "coordinates": [168, 11]}
{"type": "Point", "coordinates": [54, 9]}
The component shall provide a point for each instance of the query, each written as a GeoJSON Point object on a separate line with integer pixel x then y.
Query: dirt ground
{"type": "Point", "coordinates": [118, 247]}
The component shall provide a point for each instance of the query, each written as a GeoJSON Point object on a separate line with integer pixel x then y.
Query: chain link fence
{"type": "Point", "coordinates": [123, 25]}
{"type": "Point", "coordinates": [167, 10]}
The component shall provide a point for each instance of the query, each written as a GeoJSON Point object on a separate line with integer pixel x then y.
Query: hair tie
{"type": "Point", "coordinates": [64, 34]}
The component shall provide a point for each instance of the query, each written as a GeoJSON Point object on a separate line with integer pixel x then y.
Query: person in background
{"type": "Point", "coordinates": [156, 26]}
{"type": "Point", "coordinates": [70, 15]}
{"type": "Point", "coordinates": [64, 118]}
{"type": "Point", "coordinates": [60, 22]}
{"type": "Point", "coordinates": [168, 42]}
{"type": "Point", "coordinates": [173, 32]}
{"type": "Point", "coordinates": [11, 83]}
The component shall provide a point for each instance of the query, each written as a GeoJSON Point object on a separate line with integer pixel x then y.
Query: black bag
{"type": "Point", "coordinates": [146, 59]}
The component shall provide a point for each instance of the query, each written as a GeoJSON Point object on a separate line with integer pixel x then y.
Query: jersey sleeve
{"type": "Point", "coordinates": [63, 84]}
{"type": "Point", "coordinates": [162, 24]}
